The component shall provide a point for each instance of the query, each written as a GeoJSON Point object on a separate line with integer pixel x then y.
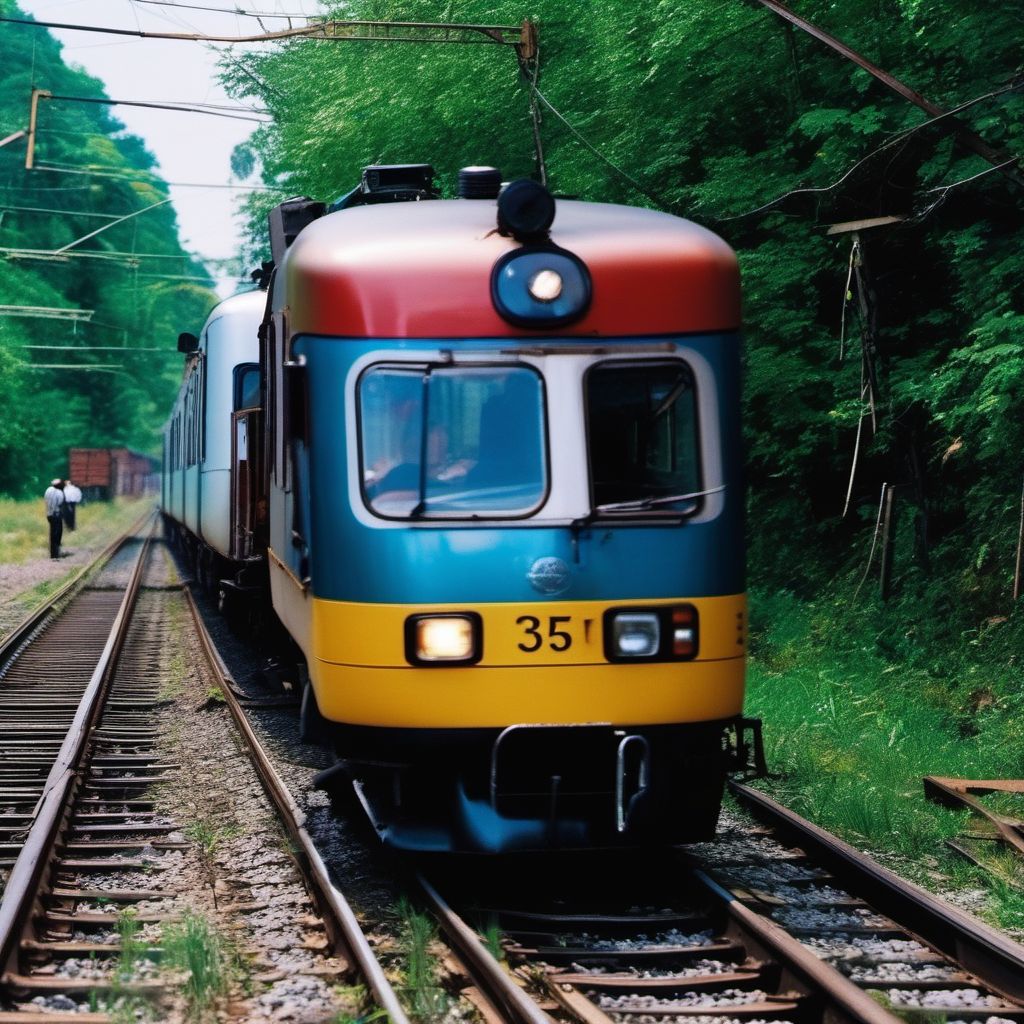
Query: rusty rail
{"type": "Point", "coordinates": [32, 860]}
{"type": "Point", "coordinates": [496, 984]}
{"type": "Point", "coordinates": [988, 954]}
{"type": "Point", "coordinates": [338, 915]}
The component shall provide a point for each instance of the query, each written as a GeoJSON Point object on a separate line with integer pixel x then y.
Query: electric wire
{"type": "Point", "coordinates": [226, 10]}
{"type": "Point", "coordinates": [155, 105]}
{"type": "Point", "coordinates": [152, 180]}
{"type": "Point", "coordinates": [896, 139]}
{"type": "Point", "coordinates": [583, 140]}
{"type": "Point", "coordinates": [484, 35]}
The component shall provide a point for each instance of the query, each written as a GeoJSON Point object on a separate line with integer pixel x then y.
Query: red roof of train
{"type": "Point", "coordinates": [421, 270]}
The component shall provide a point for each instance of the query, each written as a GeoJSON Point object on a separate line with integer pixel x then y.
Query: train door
{"type": "Point", "coordinates": [247, 506]}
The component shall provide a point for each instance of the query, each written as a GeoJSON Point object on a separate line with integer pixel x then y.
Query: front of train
{"type": "Point", "coordinates": [525, 528]}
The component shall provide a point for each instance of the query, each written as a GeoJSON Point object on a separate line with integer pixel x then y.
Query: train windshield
{"type": "Point", "coordinates": [452, 441]}
{"type": "Point", "coordinates": [642, 437]}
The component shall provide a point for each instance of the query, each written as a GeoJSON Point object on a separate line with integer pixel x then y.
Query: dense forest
{"type": "Point", "coordinates": [886, 356]}
{"type": "Point", "coordinates": [134, 282]}
{"type": "Point", "coordinates": [889, 356]}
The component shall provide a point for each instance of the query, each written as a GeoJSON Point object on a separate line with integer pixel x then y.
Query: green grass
{"type": "Point", "coordinates": [132, 948]}
{"type": "Point", "coordinates": [24, 533]}
{"type": "Point", "coordinates": [176, 670]}
{"type": "Point", "coordinates": [492, 936]}
{"type": "Point", "coordinates": [424, 999]}
{"type": "Point", "coordinates": [859, 703]}
{"type": "Point", "coordinates": [209, 963]}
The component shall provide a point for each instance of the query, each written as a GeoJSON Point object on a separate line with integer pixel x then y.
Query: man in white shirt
{"type": "Point", "coordinates": [72, 496]}
{"type": "Point", "coordinates": [54, 498]}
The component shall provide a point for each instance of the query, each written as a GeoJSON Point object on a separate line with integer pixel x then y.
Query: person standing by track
{"type": "Point", "coordinates": [54, 498]}
{"type": "Point", "coordinates": [72, 496]}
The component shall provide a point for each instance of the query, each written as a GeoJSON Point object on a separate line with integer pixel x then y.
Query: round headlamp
{"type": "Point", "coordinates": [540, 287]}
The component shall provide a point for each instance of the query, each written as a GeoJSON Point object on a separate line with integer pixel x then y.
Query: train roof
{"type": "Point", "coordinates": [423, 269]}
{"type": "Point", "coordinates": [251, 303]}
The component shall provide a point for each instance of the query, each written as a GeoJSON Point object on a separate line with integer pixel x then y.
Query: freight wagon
{"type": "Point", "coordinates": [105, 473]}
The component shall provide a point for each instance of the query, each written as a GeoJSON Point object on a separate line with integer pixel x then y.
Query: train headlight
{"type": "Point", "coordinates": [666, 633]}
{"type": "Point", "coordinates": [636, 634]}
{"type": "Point", "coordinates": [545, 285]}
{"type": "Point", "coordinates": [443, 639]}
{"type": "Point", "coordinates": [540, 287]}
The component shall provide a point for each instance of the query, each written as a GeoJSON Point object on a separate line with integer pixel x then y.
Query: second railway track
{"type": "Point", "coordinates": [744, 929]}
{"type": "Point", "coordinates": [130, 823]}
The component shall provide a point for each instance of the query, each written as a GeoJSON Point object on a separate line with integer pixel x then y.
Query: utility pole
{"type": "Point", "coordinates": [33, 115]}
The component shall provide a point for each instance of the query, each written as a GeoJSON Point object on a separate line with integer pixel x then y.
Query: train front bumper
{"type": "Point", "coordinates": [532, 787]}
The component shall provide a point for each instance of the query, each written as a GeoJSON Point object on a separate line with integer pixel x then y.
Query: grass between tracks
{"type": "Point", "coordinates": [202, 966]}
{"type": "Point", "coordinates": [859, 703]}
{"type": "Point", "coordinates": [423, 996]}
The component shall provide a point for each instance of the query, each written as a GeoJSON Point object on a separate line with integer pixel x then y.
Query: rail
{"type": "Point", "coordinates": [338, 914]}
{"type": "Point", "coordinates": [495, 983]}
{"type": "Point", "coordinates": [994, 958]}
{"type": "Point", "coordinates": [33, 857]}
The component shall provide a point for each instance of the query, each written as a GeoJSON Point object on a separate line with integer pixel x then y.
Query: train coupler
{"type": "Point", "coordinates": [744, 749]}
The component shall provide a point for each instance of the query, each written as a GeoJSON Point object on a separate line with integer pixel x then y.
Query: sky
{"type": "Point", "coordinates": [190, 148]}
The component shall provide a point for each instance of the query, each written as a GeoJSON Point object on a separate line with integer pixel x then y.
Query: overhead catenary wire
{"type": "Point", "coordinates": [145, 177]}
{"type": "Point", "coordinates": [895, 140]}
{"type": "Point", "coordinates": [196, 108]}
{"type": "Point", "coordinates": [238, 12]}
{"type": "Point", "coordinates": [583, 140]}
{"type": "Point", "coordinates": [63, 213]}
{"type": "Point", "coordinates": [342, 31]}
{"type": "Point", "coordinates": [123, 349]}
{"type": "Point", "coordinates": [106, 227]}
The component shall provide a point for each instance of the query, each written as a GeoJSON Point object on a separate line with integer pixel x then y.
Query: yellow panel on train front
{"type": "Point", "coordinates": [361, 676]}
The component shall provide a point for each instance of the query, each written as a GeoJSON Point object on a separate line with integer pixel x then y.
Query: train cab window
{"type": "Point", "coordinates": [452, 441]}
{"type": "Point", "coordinates": [642, 438]}
{"type": "Point", "coordinates": [247, 386]}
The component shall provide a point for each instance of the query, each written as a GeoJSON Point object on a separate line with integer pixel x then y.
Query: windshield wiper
{"type": "Point", "coordinates": [643, 503]}
{"type": "Point", "coordinates": [673, 396]}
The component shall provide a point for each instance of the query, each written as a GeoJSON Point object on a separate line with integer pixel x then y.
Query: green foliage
{"type": "Point", "coordinates": [425, 999]}
{"type": "Point", "coordinates": [87, 169]}
{"type": "Point", "coordinates": [719, 111]}
{"type": "Point", "coordinates": [194, 946]}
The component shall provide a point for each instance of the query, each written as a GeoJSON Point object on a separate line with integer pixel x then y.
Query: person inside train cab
{"type": "Point", "coordinates": [72, 496]}
{"type": "Point", "coordinates": [54, 498]}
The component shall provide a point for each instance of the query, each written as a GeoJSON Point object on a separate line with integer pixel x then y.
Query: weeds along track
{"type": "Point", "coordinates": [742, 929]}
{"type": "Point", "coordinates": [155, 882]}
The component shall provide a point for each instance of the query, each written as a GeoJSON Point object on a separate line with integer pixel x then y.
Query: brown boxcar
{"type": "Point", "coordinates": [104, 473]}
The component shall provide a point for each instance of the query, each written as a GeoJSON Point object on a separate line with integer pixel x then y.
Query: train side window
{"type": "Point", "coordinates": [247, 386]}
{"type": "Point", "coordinates": [277, 399]}
{"type": "Point", "coordinates": [642, 438]}
{"type": "Point", "coordinates": [201, 424]}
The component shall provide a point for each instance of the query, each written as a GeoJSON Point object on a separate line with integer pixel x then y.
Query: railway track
{"type": "Point", "coordinates": [745, 929]}
{"type": "Point", "coordinates": [51, 694]}
{"type": "Point", "coordinates": [15, 640]}
{"type": "Point", "coordinates": [88, 846]}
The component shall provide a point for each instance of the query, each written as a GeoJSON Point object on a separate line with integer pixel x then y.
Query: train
{"type": "Point", "coordinates": [482, 455]}
{"type": "Point", "coordinates": [107, 473]}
